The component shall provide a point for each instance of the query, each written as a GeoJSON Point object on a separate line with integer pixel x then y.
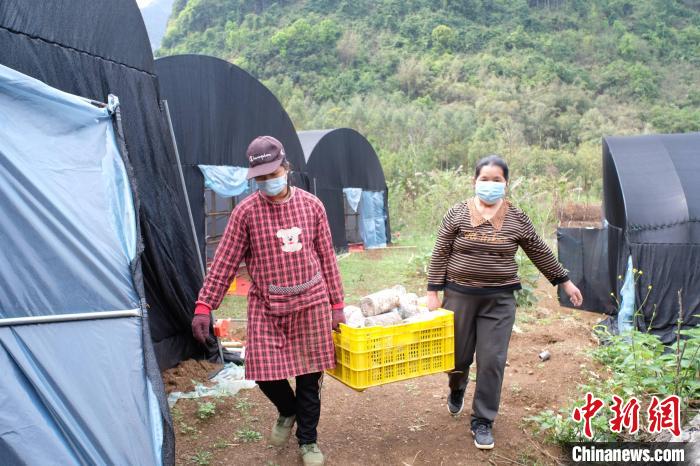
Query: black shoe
{"type": "Point", "coordinates": [481, 431]}
{"type": "Point", "coordinates": [455, 402]}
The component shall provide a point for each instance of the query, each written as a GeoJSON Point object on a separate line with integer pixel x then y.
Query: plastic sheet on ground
{"type": "Point", "coordinates": [228, 382]}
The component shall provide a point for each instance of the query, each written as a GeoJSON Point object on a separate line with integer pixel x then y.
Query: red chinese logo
{"type": "Point", "coordinates": [665, 414]}
{"type": "Point", "coordinates": [662, 414]}
{"type": "Point", "coordinates": [587, 412]}
{"type": "Point", "coordinates": [626, 416]}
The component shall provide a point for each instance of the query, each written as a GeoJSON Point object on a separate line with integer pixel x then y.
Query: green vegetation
{"type": "Point", "coordinates": [205, 409]}
{"type": "Point", "coordinates": [406, 264]}
{"type": "Point", "coordinates": [435, 85]}
{"type": "Point", "coordinates": [243, 405]}
{"type": "Point", "coordinates": [248, 435]}
{"type": "Point", "coordinates": [371, 271]}
{"type": "Point", "coordinates": [364, 273]}
{"type": "Point", "coordinates": [233, 307]}
{"type": "Point", "coordinates": [635, 364]}
{"type": "Point", "coordinates": [202, 458]}
{"type": "Point", "coordinates": [186, 429]}
{"type": "Point", "coordinates": [222, 444]}
{"type": "Point", "coordinates": [438, 84]}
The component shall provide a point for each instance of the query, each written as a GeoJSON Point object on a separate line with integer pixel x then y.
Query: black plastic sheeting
{"type": "Point", "coordinates": [668, 269]}
{"type": "Point", "coordinates": [584, 253]}
{"type": "Point", "coordinates": [217, 109]}
{"type": "Point", "coordinates": [341, 158]}
{"type": "Point", "coordinates": [112, 30]}
{"type": "Point", "coordinates": [652, 195]}
{"type": "Point", "coordinates": [651, 187]}
{"type": "Point", "coordinates": [93, 49]}
{"type": "Point", "coordinates": [651, 200]}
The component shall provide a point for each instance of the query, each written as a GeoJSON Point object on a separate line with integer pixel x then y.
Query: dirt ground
{"type": "Point", "coordinates": [407, 423]}
{"type": "Point", "coordinates": [183, 377]}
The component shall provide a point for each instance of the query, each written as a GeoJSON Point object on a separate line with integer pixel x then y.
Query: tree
{"type": "Point", "coordinates": [413, 77]}
{"type": "Point", "coordinates": [443, 38]}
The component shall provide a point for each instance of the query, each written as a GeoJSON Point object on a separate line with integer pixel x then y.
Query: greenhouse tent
{"type": "Point", "coordinates": [651, 201]}
{"type": "Point", "coordinates": [217, 109]}
{"type": "Point", "coordinates": [93, 49]}
{"type": "Point", "coordinates": [80, 383]}
{"type": "Point", "coordinates": [346, 174]}
{"type": "Point", "coordinates": [584, 252]}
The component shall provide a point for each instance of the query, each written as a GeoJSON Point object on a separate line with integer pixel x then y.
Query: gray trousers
{"type": "Point", "coordinates": [483, 324]}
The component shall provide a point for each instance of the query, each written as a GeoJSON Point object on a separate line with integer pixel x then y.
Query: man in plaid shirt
{"type": "Point", "coordinates": [296, 297]}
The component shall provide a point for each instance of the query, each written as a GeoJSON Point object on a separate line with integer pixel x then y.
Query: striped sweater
{"type": "Point", "coordinates": [475, 255]}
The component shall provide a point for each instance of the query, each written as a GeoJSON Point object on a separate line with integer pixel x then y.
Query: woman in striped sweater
{"type": "Point", "coordinates": [474, 263]}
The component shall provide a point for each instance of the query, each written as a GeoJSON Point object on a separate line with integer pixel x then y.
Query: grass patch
{"type": "Point", "coordinates": [369, 271]}
{"type": "Point", "coordinates": [176, 414]}
{"type": "Point", "coordinates": [244, 405]}
{"type": "Point", "coordinates": [233, 307]}
{"type": "Point", "coordinates": [186, 429]}
{"type": "Point", "coordinates": [202, 458]}
{"type": "Point", "coordinates": [405, 262]}
{"type": "Point", "coordinates": [364, 273]}
{"type": "Point", "coordinates": [248, 435]}
{"type": "Point", "coordinates": [205, 410]}
{"type": "Point", "coordinates": [222, 444]}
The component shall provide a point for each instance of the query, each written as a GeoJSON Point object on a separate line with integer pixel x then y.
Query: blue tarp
{"type": "Point", "coordinates": [225, 181]}
{"type": "Point", "coordinates": [625, 315]}
{"type": "Point", "coordinates": [62, 182]}
{"type": "Point", "coordinates": [373, 220]}
{"type": "Point", "coordinates": [353, 195]}
{"type": "Point", "coordinates": [76, 391]}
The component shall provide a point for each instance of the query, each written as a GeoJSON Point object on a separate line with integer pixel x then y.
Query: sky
{"type": "Point", "coordinates": [155, 16]}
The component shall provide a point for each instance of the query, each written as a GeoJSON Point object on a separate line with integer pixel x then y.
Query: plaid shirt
{"type": "Point", "coordinates": [288, 251]}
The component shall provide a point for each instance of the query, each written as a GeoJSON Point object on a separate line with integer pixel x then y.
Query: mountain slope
{"type": "Point", "coordinates": [436, 84]}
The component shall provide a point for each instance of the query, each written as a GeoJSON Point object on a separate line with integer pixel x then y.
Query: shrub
{"type": "Point", "coordinates": [637, 364]}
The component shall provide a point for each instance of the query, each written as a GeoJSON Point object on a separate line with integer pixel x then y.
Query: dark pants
{"type": "Point", "coordinates": [305, 404]}
{"type": "Point", "coordinates": [483, 324]}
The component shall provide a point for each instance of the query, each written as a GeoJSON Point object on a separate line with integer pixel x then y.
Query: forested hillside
{"type": "Point", "coordinates": [436, 84]}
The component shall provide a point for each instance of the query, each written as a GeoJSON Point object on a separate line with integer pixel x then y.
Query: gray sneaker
{"type": "Point", "coordinates": [282, 430]}
{"type": "Point", "coordinates": [455, 402]}
{"type": "Point", "coordinates": [311, 455]}
{"type": "Point", "coordinates": [483, 438]}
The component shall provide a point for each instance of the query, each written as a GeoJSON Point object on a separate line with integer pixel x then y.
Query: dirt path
{"type": "Point", "coordinates": [407, 423]}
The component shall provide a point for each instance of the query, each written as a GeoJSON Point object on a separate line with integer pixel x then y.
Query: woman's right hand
{"type": "Point", "coordinates": [433, 300]}
{"type": "Point", "coordinates": [201, 322]}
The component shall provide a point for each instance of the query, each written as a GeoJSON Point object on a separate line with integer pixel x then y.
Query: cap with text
{"type": "Point", "coordinates": [265, 154]}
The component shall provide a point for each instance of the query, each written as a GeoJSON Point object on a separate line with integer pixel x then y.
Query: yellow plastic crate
{"type": "Point", "coordinates": [366, 357]}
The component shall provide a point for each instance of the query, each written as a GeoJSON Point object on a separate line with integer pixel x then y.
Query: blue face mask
{"type": "Point", "coordinates": [490, 191]}
{"type": "Point", "coordinates": [273, 186]}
